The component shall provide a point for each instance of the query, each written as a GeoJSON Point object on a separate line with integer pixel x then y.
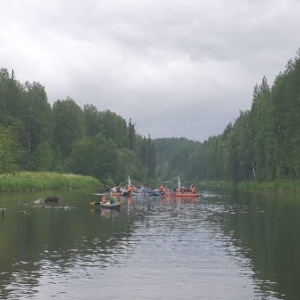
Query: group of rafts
{"type": "Point", "coordinates": [109, 199]}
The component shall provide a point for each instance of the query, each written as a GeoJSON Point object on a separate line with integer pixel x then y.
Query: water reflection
{"type": "Point", "coordinates": [263, 229]}
{"type": "Point", "coordinates": [220, 246]}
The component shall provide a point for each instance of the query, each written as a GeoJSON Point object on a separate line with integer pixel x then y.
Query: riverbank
{"type": "Point", "coordinates": [278, 186]}
{"type": "Point", "coordinates": [30, 181]}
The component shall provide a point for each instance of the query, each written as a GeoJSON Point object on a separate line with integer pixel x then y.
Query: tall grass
{"type": "Point", "coordinates": [284, 186]}
{"type": "Point", "coordinates": [25, 181]}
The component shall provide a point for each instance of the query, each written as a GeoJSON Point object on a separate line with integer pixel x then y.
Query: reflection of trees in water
{"type": "Point", "coordinates": [263, 229]}
{"type": "Point", "coordinates": [50, 241]}
{"type": "Point", "coordinates": [261, 232]}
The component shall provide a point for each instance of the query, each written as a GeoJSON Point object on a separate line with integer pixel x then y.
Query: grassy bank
{"type": "Point", "coordinates": [28, 181]}
{"type": "Point", "coordinates": [283, 186]}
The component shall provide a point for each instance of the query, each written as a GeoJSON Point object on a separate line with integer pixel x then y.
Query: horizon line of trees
{"type": "Point", "coordinates": [66, 138]}
{"type": "Point", "coordinates": [262, 144]}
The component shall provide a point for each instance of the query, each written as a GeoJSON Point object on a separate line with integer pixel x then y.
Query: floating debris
{"type": "Point", "coordinates": [39, 201]}
{"type": "Point", "coordinates": [53, 199]}
{"type": "Point", "coordinates": [2, 210]}
{"type": "Point", "coordinates": [24, 212]}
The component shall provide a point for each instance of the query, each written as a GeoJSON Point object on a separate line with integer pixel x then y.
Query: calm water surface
{"type": "Point", "coordinates": [225, 245]}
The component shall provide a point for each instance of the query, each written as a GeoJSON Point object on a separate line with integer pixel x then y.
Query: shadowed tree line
{"type": "Point", "coordinates": [262, 144]}
{"type": "Point", "coordinates": [35, 136]}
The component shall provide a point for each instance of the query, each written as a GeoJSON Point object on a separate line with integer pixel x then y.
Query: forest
{"type": "Point", "coordinates": [64, 138]}
{"type": "Point", "coordinates": [262, 144]}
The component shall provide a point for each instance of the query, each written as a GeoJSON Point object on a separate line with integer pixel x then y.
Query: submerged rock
{"type": "Point", "coordinates": [53, 199]}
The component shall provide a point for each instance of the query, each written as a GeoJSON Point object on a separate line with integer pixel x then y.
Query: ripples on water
{"type": "Point", "coordinates": [175, 250]}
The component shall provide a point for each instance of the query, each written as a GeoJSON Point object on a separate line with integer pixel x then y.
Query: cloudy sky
{"type": "Point", "coordinates": [177, 68]}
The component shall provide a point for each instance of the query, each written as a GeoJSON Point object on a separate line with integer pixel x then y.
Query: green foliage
{"type": "Point", "coordinates": [262, 145]}
{"type": "Point", "coordinates": [44, 180]}
{"type": "Point", "coordinates": [43, 157]}
{"type": "Point", "coordinates": [39, 115]}
{"type": "Point", "coordinates": [68, 124]}
{"type": "Point", "coordinates": [9, 151]}
{"type": "Point", "coordinates": [130, 164]}
{"type": "Point", "coordinates": [131, 135]}
{"type": "Point", "coordinates": [91, 119]}
{"type": "Point", "coordinates": [176, 152]}
{"type": "Point", "coordinates": [94, 156]}
{"type": "Point", "coordinates": [36, 137]}
{"type": "Point", "coordinates": [115, 128]}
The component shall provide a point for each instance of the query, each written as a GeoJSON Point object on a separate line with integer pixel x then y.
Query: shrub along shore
{"type": "Point", "coordinates": [30, 181]}
{"type": "Point", "coordinates": [280, 186]}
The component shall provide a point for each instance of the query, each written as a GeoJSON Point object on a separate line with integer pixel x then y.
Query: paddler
{"type": "Point", "coordinates": [192, 189]}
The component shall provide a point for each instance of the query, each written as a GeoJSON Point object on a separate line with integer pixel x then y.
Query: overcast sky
{"type": "Point", "coordinates": [177, 68]}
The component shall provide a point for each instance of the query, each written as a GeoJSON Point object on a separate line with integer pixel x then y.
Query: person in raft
{"type": "Point", "coordinates": [192, 189]}
{"type": "Point", "coordinates": [109, 199]}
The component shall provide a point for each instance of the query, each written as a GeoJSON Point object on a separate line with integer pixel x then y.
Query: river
{"type": "Point", "coordinates": [225, 245]}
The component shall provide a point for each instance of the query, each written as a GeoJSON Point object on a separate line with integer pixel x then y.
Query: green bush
{"type": "Point", "coordinates": [21, 181]}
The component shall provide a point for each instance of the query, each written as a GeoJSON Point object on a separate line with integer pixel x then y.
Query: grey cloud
{"type": "Point", "coordinates": [176, 68]}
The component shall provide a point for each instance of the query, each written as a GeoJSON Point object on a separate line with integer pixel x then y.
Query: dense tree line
{"type": "Point", "coordinates": [262, 144]}
{"type": "Point", "coordinates": [66, 138]}
{"type": "Point", "coordinates": [172, 155]}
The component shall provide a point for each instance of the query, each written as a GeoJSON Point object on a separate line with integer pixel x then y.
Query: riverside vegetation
{"type": "Point", "coordinates": [259, 150]}
{"type": "Point", "coordinates": [276, 186]}
{"type": "Point", "coordinates": [28, 181]}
